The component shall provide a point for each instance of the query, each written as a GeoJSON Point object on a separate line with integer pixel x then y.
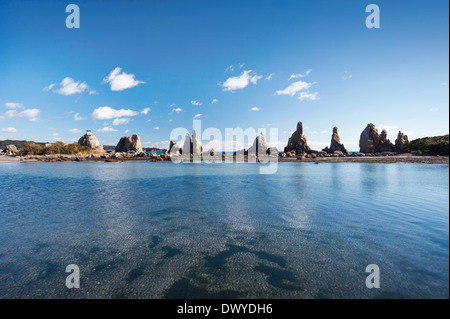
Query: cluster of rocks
{"type": "Point", "coordinates": [259, 148]}
{"type": "Point", "coordinates": [191, 149]}
{"type": "Point", "coordinates": [370, 142]}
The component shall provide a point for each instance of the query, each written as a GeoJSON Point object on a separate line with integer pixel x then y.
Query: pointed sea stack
{"type": "Point", "coordinates": [335, 144]}
{"type": "Point", "coordinates": [259, 147]}
{"type": "Point", "coordinates": [297, 142]}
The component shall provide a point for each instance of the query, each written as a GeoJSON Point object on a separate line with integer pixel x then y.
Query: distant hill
{"type": "Point", "coordinates": [17, 143]}
{"type": "Point", "coordinates": [437, 145]}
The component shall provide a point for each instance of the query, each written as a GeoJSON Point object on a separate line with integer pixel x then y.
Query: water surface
{"type": "Point", "coordinates": [164, 230]}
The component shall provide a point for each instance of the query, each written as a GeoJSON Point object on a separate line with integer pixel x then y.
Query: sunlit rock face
{"type": "Point", "coordinates": [129, 144]}
{"type": "Point", "coordinates": [90, 140]}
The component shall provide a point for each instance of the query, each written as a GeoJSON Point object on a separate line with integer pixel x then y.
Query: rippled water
{"type": "Point", "coordinates": [164, 230]}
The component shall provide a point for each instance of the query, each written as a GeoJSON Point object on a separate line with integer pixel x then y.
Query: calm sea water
{"type": "Point", "coordinates": [164, 230]}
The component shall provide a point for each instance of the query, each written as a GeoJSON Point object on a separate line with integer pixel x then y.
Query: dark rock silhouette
{"type": "Point", "coordinates": [297, 142]}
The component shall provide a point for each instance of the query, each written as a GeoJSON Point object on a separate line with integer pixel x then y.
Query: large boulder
{"type": "Point", "coordinates": [173, 148]}
{"type": "Point", "coordinates": [259, 146]}
{"type": "Point", "coordinates": [90, 140]}
{"type": "Point", "coordinates": [401, 140]}
{"type": "Point", "coordinates": [335, 144]}
{"type": "Point", "coordinates": [371, 142]}
{"type": "Point", "coordinates": [11, 150]}
{"type": "Point", "coordinates": [129, 144]}
{"type": "Point", "coordinates": [297, 142]}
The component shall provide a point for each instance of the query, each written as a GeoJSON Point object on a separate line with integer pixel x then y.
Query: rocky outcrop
{"type": "Point", "coordinates": [401, 140]}
{"type": "Point", "coordinates": [297, 142]}
{"type": "Point", "coordinates": [196, 145]}
{"type": "Point", "coordinates": [259, 146]}
{"type": "Point", "coordinates": [90, 140]}
{"type": "Point", "coordinates": [211, 152]}
{"type": "Point", "coordinates": [335, 145]}
{"type": "Point", "coordinates": [11, 150]}
{"type": "Point", "coordinates": [187, 146]}
{"type": "Point", "coordinates": [371, 142]}
{"type": "Point", "coordinates": [129, 144]}
{"type": "Point", "coordinates": [173, 148]}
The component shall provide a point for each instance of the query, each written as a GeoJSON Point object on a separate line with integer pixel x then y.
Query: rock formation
{"type": "Point", "coordinates": [187, 146]}
{"type": "Point", "coordinates": [372, 142]}
{"type": "Point", "coordinates": [11, 150]}
{"type": "Point", "coordinates": [335, 145]}
{"type": "Point", "coordinates": [297, 142]}
{"type": "Point", "coordinates": [90, 140]}
{"type": "Point", "coordinates": [173, 148]}
{"type": "Point", "coordinates": [129, 144]}
{"type": "Point", "coordinates": [401, 140]}
{"type": "Point", "coordinates": [259, 146]}
{"type": "Point", "coordinates": [196, 145]}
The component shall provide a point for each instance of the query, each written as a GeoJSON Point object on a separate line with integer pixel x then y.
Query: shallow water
{"type": "Point", "coordinates": [164, 230]}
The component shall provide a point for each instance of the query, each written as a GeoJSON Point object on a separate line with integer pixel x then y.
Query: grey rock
{"type": "Point", "coordinates": [90, 140]}
{"type": "Point", "coordinates": [129, 144]}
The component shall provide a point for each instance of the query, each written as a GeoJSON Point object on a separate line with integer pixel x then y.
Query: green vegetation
{"type": "Point", "coordinates": [371, 125]}
{"type": "Point", "coordinates": [437, 145]}
{"type": "Point", "coordinates": [31, 148]}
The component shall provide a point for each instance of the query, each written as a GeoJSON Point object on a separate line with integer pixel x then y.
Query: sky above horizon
{"type": "Point", "coordinates": [147, 67]}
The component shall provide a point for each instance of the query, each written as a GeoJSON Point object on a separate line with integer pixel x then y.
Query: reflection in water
{"type": "Point", "coordinates": [155, 230]}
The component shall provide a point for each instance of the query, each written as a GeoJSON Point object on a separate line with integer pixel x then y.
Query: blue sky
{"type": "Point", "coordinates": [56, 82]}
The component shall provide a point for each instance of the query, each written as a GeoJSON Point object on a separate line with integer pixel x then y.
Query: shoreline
{"type": "Point", "coordinates": [404, 158]}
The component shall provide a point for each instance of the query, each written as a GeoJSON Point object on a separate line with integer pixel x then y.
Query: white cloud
{"type": "Point", "coordinates": [270, 76]}
{"type": "Point", "coordinates": [92, 92]}
{"type": "Point", "coordinates": [77, 117]}
{"type": "Point", "coordinates": [69, 87]}
{"type": "Point", "coordinates": [31, 114]}
{"type": "Point", "coordinates": [145, 111]}
{"type": "Point", "coordinates": [241, 81]}
{"type": "Point", "coordinates": [214, 101]}
{"type": "Point", "coordinates": [10, 105]}
{"type": "Point", "coordinates": [255, 109]}
{"type": "Point", "coordinates": [434, 109]}
{"type": "Point", "coordinates": [294, 88]}
{"type": "Point", "coordinates": [295, 76]}
{"type": "Point", "coordinates": [308, 96]}
{"type": "Point", "coordinates": [346, 76]}
{"type": "Point", "coordinates": [121, 121]}
{"type": "Point", "coordinates": [56, 139]}
{"type": "Point", "coordinates": [156, 128]}
{"type": "Point", "coordinates": [126, 131]}
{"type": "Point", "coordinates": [74, 130]}
{"type": "Point", "coordinates": [177, 110]}
{"type": "Point", "coordinates": [8, 130]}
{"type": "Point", "coordinates": [121, 81]}
{"type": "Point", "coordinates": [54, 134]}
{"type": "Point", "coordinates": [107, 129]}
{"type": "Point", "coordinates": [48, 88]}
{"type": "Point", "coordinates": [444, 83]}
{"type": "Point", "coordinates": [241, 65]}
{"type": "Point", "coordinates": [196, 103]}
{"type": "Point", "coordinates": [107, 113]}
{"type": "Point", "coordinates": [229, 69]}
{"type": "Point", "coordinates": [197, 116]}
